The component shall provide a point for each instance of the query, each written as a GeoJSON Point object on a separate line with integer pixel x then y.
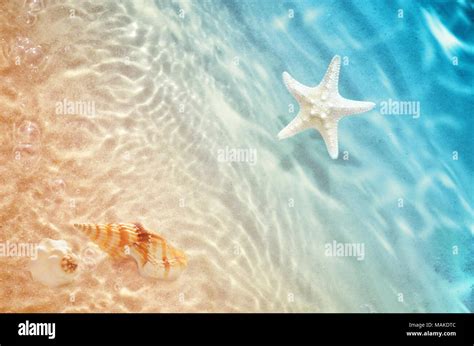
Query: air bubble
{"type": "Point", "coordinates": [28, 18]}
{"type": "Point", "coordinates": [26, 156]}
{"type": "Point", "coordinates": [28, 133]}
{"type": "Point", "coordinates": [24, 52]}
{"type": "Point", "coordinates": [33, 5]}
{"type": "Point", "coordinates": [34, 56]}
{"type": "Point", "coordinates": [57, 186]}
{"type": "Point", "coordinates": [90, 258]}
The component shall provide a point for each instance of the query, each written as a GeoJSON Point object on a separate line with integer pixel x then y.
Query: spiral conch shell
{"type": "Point", "coordinates": [55, 264]}
{"type": "Point", "coordinates": [154, 256]}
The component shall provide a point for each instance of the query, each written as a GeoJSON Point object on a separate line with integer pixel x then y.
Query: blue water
{"type": "Point", "coordinates": [425, 54]}
{"type": "Point", "coordinates": [176, 83]}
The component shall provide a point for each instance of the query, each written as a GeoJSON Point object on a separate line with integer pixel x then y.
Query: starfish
{"type": "Point", "coordinates": [321, 107]}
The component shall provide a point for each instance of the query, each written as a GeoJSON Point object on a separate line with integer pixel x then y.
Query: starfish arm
{"type": "Point", "coordinates": [295, 126]}
{"type": "Point", "coordinates": [345, 107]}
{"type": "Point", "coordinates": [331, 78]}
{"type": "Point", "coordinates": [328, 131]}
{"type": "Point", "coordinates": [298, 90]}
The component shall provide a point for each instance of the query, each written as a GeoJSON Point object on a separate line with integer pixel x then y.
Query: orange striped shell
{"type": "Point", "coordinates": [154, 256]}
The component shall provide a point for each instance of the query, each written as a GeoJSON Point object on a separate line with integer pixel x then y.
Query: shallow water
{"type": "Point", "coordinates": [168, 86]}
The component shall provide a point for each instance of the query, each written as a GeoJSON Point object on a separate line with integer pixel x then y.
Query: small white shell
{"type": "Point", "coordinates": [55, 264]}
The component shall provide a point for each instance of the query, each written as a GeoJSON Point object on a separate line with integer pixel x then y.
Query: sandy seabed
{"type": "Point", "coordinates": [158, 88]}
{"type": "Point", "coordinates": [140, 150]}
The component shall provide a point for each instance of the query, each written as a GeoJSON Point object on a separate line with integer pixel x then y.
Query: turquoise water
{"type": "Point", "coordinates": [188, 100]}
{"type": "Point", "coordinates": [406, 51]}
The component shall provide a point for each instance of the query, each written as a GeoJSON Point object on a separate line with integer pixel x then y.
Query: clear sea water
{"type": "Point", "coordinates": [175, 83]}
{"type": "Point", "coordinates": [403, 50]}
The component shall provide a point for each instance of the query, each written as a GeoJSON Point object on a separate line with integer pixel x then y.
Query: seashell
{"type": "Point", "coordinates": [55, 264]}
{"type": "Point", "coordinates": [154, 256]}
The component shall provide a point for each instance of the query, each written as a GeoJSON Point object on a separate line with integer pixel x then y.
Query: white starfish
{"type": "Point", "coordinates": [321, 107]}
